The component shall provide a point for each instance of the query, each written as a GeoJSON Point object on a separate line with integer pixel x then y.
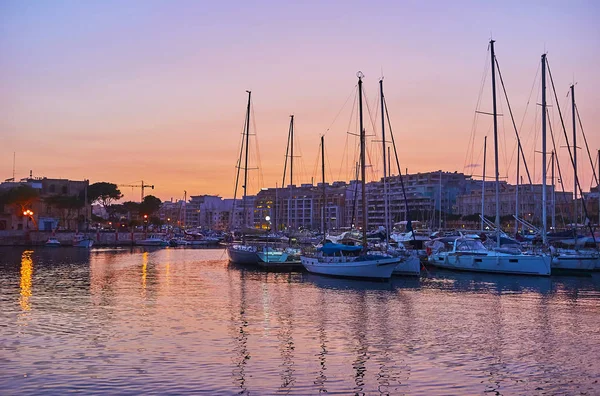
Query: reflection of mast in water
{"type": "Point", "coordinates": [239, 334]}
{"type": "Point", "coordinates": [386, 364]}
{"type": "Point", "coordinates": [495, 344]}
{"type": "Point", "coordinates": [360, 319]}
{"type": "Point", "coordinates": [321, 377]}
{"type": "Point", "coordinates": [408, 337]}
{"type": "Point", "coordinates": [25, 284]}
{"type": "Point", "coordinates": [286, 341]}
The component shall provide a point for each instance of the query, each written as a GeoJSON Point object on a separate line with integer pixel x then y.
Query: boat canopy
{"type": "Point", "coordinates": [333, 248]}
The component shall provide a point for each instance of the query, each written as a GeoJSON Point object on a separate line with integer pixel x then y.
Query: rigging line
{"type": "Point", "coordinates": [391, 133]}
{"type": "Point", "coordinates": [287, 153]}
{"type": "Point", "coordinates": [346, 148]}
{"type": "Point", "coordinates": [259, 177]}
{"type": "Point", "coordinates": [562, 185]}
{"type": "Point", "coordinates": [585, 211]}
{"type": "Point", "coordinates": [504, 151]}
{"type": "Point", "coordinates": [471, 143]}
{"type": "Point", "coordinates": [369, 110]}
{"type": "Point", "coordinates": [341, 109]}
{"type": "Point", "coordinates": [512, 118]}
{"type": "Point", "coordinates": [586, 145]}
{"type": "Point", "coordinates": [237, 178]}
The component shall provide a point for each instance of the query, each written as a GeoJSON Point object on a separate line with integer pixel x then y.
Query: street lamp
{"type": "Point", "coordinates": [28, 214]}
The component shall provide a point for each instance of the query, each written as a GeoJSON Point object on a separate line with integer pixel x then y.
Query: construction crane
{"type": "Point", "coordinates": [138, 185]}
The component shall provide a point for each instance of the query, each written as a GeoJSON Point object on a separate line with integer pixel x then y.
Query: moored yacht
{"type": "Point", "coordinates": [468, 254]}
{"type": "Point", "coordinates": [346, 261]}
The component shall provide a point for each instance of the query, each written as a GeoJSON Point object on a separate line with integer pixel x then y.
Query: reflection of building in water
{"type": "Point", "coordinates": [26, 274]}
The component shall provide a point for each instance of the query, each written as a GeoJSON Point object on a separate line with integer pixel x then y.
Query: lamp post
{"type": "Point", "coordinates": [145, 226]}
{"type": "Point", "coordinates": [29, 215]}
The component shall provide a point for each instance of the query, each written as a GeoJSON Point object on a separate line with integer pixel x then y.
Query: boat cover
{"type": "Point", "coordinates": [332, 248]}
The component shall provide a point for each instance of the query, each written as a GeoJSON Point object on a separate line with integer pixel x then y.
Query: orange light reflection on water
{"type": "Point", "coordinates": [26, 274]}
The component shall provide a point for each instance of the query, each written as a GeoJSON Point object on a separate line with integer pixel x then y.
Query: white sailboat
{"type": "Point", "coordinates": [352, 261]}
{"type": "Point", "coordinates": [469, 254]}
{"type": "Point", "coordinates": [410, 264]}
{"type": "Point", "coordinates": [575, 259]}
{"type": "Point", "coordinates": [244, 253]}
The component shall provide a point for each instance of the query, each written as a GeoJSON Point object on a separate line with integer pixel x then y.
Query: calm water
{"type": "Point", "coordinates": [184, 321]}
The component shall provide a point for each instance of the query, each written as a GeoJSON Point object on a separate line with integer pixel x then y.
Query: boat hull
{"type": "Point", "coordinates": [575, 262]}
{"type": "Point", "coordinates": [152, 243]}
{"type": "Point", "coordinates": [409, 266]}
{"type": "Point", "coordinates": [496, 263]}
{"type": "Point", "coordinates": [244, 257]}
{"type": "Point", "coordinates": [381, 268]}
{"type": "Point", "coordinates": [84, 243]}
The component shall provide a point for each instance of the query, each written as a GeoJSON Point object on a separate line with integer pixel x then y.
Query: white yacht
{"type": "Point", "coordinates": [468, 254]}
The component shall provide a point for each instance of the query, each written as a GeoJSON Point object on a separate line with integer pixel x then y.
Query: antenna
{"type": "Point", "coordinates": [14, 160]}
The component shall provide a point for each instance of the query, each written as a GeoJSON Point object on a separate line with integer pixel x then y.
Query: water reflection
{"type": "Point", "coordinates": [322, 335]}
{"type": "Point", "coordinates": [285, 318]}
{"type": "Point", "coordinates": [176, 320]}
{"type": "Point", "coordinates": [360, 320]}
{"type": "Point", "coordinates": [26, 274]}
{"type": "Point", "coordinates": [239, 332]}
{"type": "Point", "coordinates": [144, 271]}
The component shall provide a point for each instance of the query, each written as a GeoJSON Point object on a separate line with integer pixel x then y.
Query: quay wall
{"type": "Point", "coordinates": [36, 238]}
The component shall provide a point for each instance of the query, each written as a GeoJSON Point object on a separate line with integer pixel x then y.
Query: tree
{"type": "Point", "coordinates": [69, 206]}
{"type": "Point", "coordinates": [104, 193]}
{"type": "Point", "coordinates": [150, 205]}
{"type": "Point", "coordinates": [21, 197]}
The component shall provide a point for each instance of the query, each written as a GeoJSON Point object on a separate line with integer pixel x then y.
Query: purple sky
{"type": "Point", "coordinates": [155, 90]}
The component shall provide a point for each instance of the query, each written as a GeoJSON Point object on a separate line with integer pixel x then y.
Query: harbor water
{"type": "Point", "coordinates": [185, 321]}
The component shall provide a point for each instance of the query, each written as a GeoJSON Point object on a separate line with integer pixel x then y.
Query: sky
{"type": "Point", "coordinates": [156, 90]}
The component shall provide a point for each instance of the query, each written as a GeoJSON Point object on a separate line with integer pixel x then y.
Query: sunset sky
{"type": "Point", "coordinates": [122, 91]}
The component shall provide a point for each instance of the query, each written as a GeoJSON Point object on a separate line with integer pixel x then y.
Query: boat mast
{"type": "Point", "coordinates": [385, 194]}
{"type": "Point", "coordinates": [440, 212]}
{"type": "Point", "coordinates": [483, 182]}
{"type": "Point", "coordinates": [497, 222]}
{"type": "Point", "coordinates": [247, 132]}
{"type": "Point", "coordinates": [360, 75]}
{"type": "Point", "coordinates": [517, 191]}
{"type": "Point", "coordinates": [544, 198]}
{"type": "Point", "coordinates": [575, 214]}
{"type": "Point", "coordinates": [291, 200]}
{"type": "Point", "coordinates": [553, 195]}
{"type": "Point", "coordinates": [324, 205]}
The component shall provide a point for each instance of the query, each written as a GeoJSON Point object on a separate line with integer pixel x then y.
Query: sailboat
{"type": "Point", "coordinates": [567, 259]}
{"type": "Point", "coordinates": [244, 253]}
{"type": "Point", "coordinates": [468, 254]}
{"type": "Point", "coordinates": [352, 261]}
{"type": "Point", "coordinates": [410, 264]}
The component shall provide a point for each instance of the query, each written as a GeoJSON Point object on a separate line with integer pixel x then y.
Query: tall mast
{"type": "Point", "coordinates": [483, 183]}
{"type": "Point", "coordinates": [362, 162]}
{"type": "Point", "coordinates": [517, 191]}
{"type": "Point", "coordinates": [247, 132]}
{"type": "Point", "coordinates": [544, 198]}
{"type": "Point", "coordinates": [497, 222]}
{"type": "Point", "coordinates": [575, 214]}
{"type": "Point", "coordinates": [440, 212]}
{"type": "Point", "coordinates": [290, 210]}
{"type": "Point", "coordinates": [324, 205]}
{"type": "Point", "coordinates": [553, 195]}
{"type": "Point", "coordinates": [385, 194]}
